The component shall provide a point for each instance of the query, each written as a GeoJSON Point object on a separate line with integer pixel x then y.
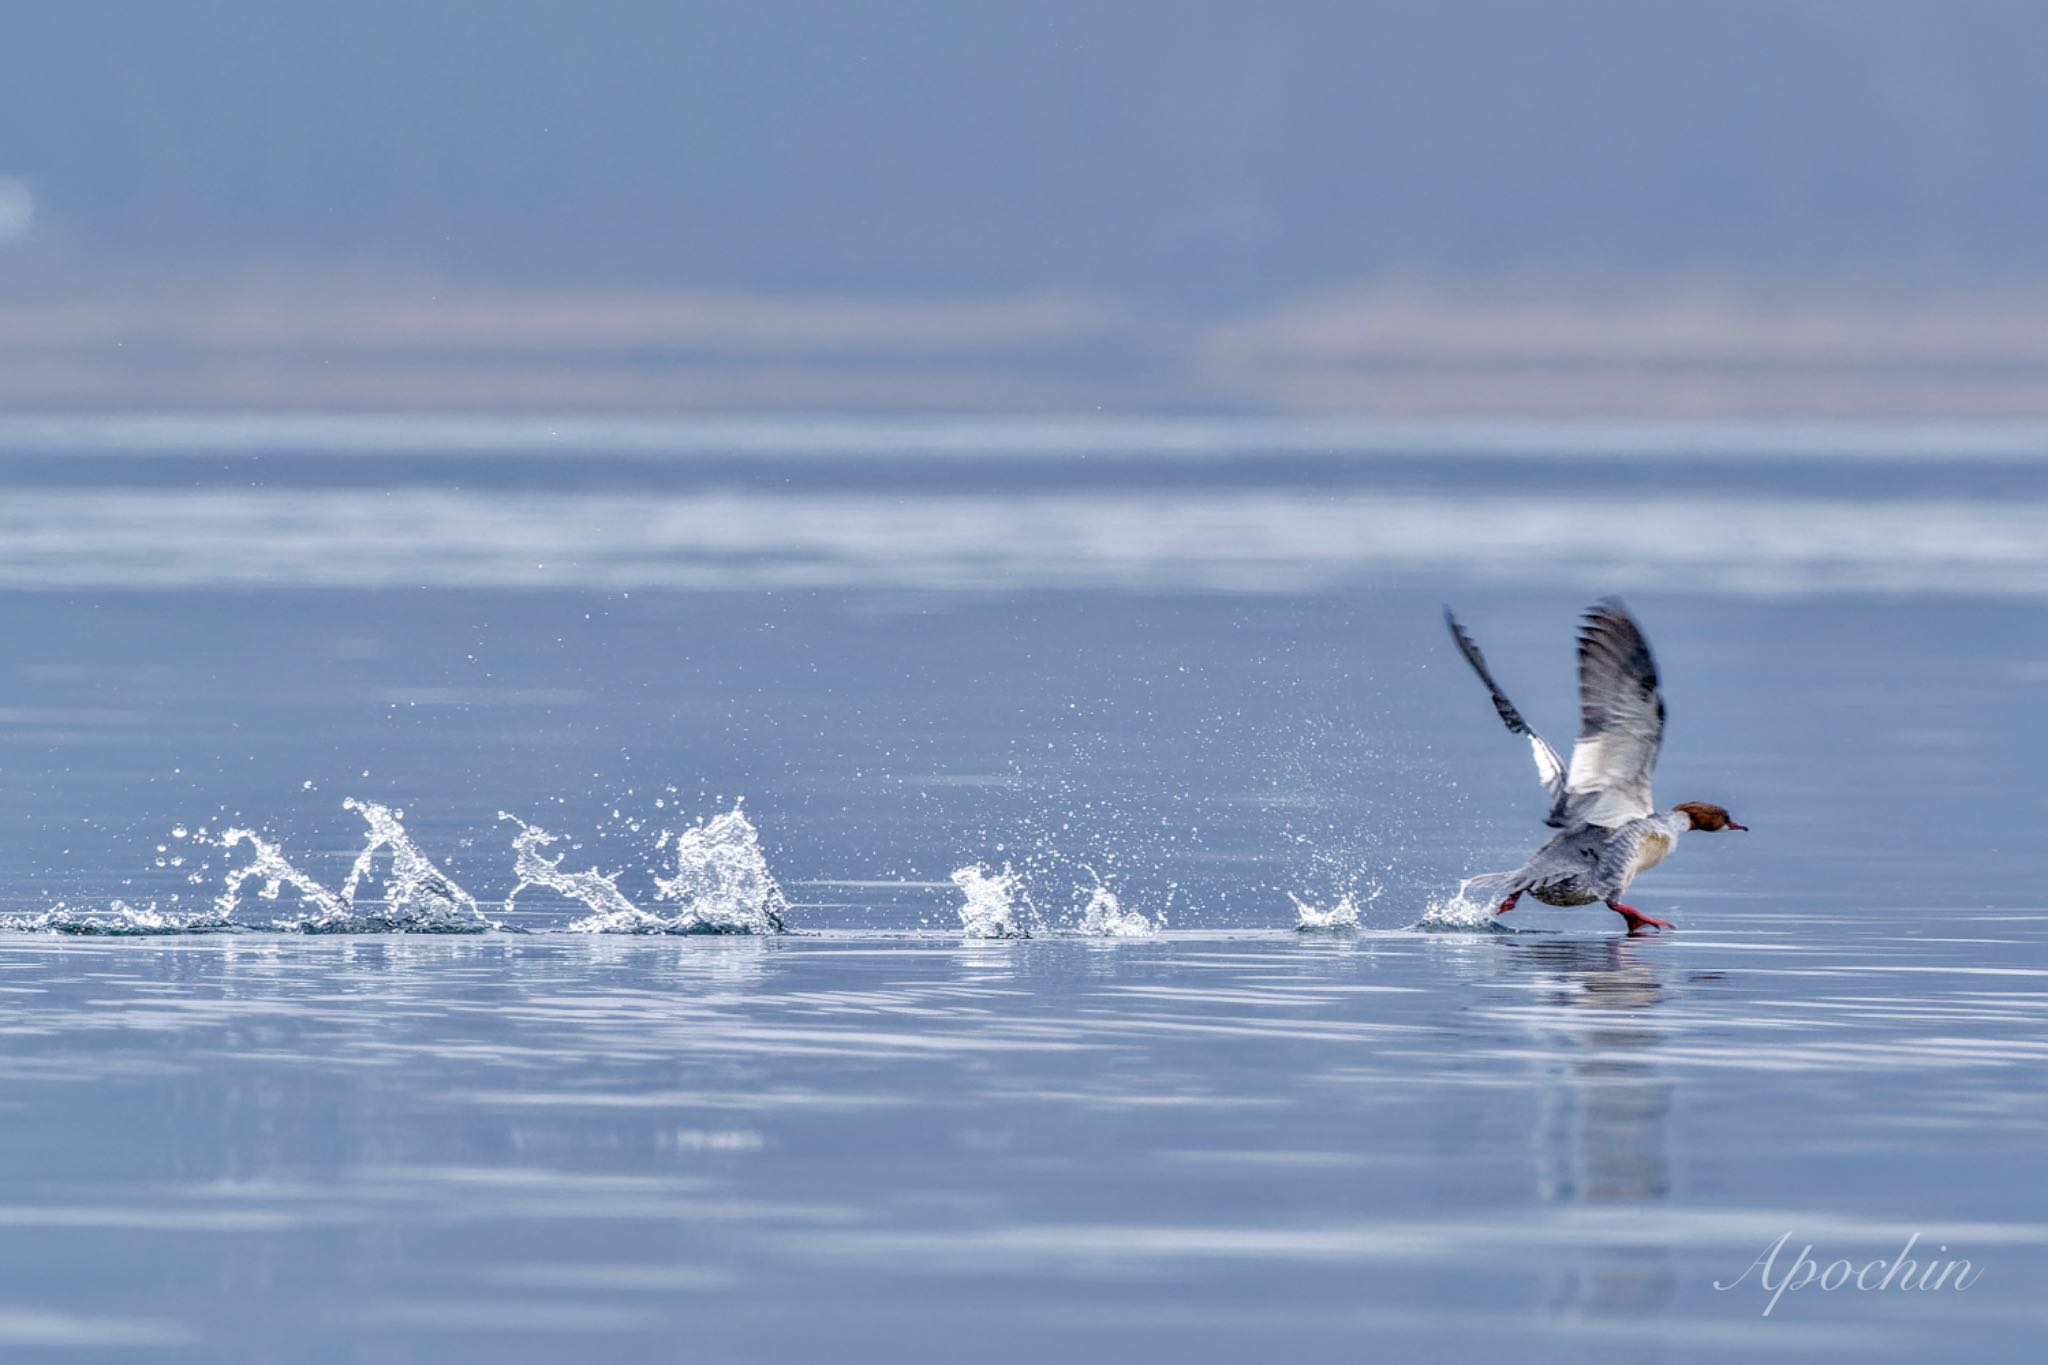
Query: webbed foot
{"type": "Point", "coordinates": [1638, 921]}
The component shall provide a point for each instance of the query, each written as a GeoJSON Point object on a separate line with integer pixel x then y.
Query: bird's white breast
{"type": "Point", "coordinates": [1650, 851]}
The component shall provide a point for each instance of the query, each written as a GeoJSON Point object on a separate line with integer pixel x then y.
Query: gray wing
{"type": "Point", "coordinates": [1549, 767]}
{"type": "Point", "coordinates": [1621, 723]}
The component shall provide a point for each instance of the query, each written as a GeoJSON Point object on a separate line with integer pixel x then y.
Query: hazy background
{"type": "Point", "coordinates": [1828, 207]}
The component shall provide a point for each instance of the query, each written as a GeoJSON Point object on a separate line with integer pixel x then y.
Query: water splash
{"type": "Point", "coordinates": [1311, 918]}
{"type": "Point", "coordinates": [273, 872]}
{"type": "Point", "coordinates": [721, 885]}
{"type": "Point", "coordinates": [120, 920]}
{"type": "Point", "coordinates": [995, 906]}
{"type": "Point", "coordinates": [1105, 917]}
{"type": "Point", "coordinates": [416, 896]}
{"type": "Point", "coordinates": [722, 879]}
{"type": "Point", "coordinates": [1474, 907]}
{"type": "Point", "coordinates": [596, 891]}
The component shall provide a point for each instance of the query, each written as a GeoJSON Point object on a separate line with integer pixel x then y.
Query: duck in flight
{"type": "Point", "coordinates": [1600, 805]}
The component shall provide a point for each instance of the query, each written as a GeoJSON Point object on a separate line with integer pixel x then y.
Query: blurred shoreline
{"type": "Point", "coordinates": [299, 340]}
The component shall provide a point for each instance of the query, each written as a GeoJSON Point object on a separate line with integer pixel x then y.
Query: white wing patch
{"type": "Point", "coordinates": [1621, 723]}
{"type": "Point", "coordinates": [1609, 781]}
{"type": "Point", "coordinates": [1549, 767]}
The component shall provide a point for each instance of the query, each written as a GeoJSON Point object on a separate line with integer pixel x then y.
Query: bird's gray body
{"type": "Point", "coordinates": [1608, 830]}
{"type": "Point", "coordinates": [1592, 863]}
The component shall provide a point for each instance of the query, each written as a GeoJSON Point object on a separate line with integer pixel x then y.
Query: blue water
{"type": "Point", "coordinates": [1207, 673]}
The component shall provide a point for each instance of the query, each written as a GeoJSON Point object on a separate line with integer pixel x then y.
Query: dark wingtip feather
{"type": "Point", "coordinates": [1470, 649]}
{"type": "Point", "coordinates": [1609, 629]}
{"type": "Point", "coordinates": [1612, 649]}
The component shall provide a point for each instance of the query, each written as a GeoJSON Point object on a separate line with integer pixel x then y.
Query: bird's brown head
{"type": "Point", "coordinates": [1707, 816]}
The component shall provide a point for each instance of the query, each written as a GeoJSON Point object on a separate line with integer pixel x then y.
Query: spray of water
{"type": "Point", "coordinates": [995, 906]}
{"type": "Point", "coordinates": [721, 885]}
{"type": "Point", "coordinates": [722, 880]}
{"type": "Point", "coordinates": [1311, 918]}
{"type": "Point", "coordinates": [1103, 916]}
{"type": "Point", "coordinates": [415, 896]}
{"type": "Point", "coordinates": [1474, 907]}
{"type": "Point", "coordinates": [596, 891]}
{"type": "Point", "coordinates": [272, 872]}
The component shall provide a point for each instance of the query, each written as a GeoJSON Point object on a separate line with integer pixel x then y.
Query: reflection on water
{"type": "Point", "coordinates": [1230, 1138]}
{"type": "Point", "coordinates": [1604, 1113]}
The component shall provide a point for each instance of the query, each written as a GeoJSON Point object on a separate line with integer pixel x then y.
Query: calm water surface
{"type": "Point", "coordinates": [1210, 677]}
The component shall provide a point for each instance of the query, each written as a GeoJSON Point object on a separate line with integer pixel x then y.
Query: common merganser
{"type": "Point", "coordinates": [1601, 803]}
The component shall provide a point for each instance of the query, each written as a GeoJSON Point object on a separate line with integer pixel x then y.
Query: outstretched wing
{"type": "Point", "coordinates": [1549, 767]}
{"type": "Point", "coordinates": [1621, 723]}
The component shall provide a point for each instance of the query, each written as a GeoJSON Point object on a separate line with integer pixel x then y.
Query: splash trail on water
{"type": "Point", "coordinates": [721, 885]}
{"type": "Point", "coordinates": [416, 896]}
{"type": "Point", "coordinates": [996, 905]}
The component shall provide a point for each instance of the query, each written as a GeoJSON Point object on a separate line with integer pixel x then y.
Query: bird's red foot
{"type": "Point", "coordinates": [1638, 921]}
{"type": "Point", "coordinates": [1508, 904]}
